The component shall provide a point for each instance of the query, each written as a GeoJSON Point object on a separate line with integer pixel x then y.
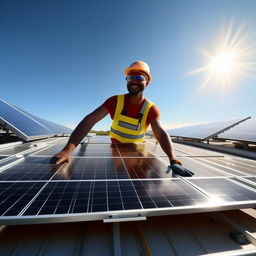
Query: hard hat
{"type": "Point", "coordinates": [141, 66]}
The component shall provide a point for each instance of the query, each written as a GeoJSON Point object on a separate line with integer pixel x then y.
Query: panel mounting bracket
{"type": "Point", "coordinates": [124, 218]}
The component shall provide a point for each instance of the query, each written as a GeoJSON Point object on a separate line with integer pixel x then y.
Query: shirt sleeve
{"type": "Point", "coordinates": [154, 113]}
{"type": "Point", "coordinates": [110, 105]}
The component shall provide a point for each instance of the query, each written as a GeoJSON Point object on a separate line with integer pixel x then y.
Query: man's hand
{"type": "Point", "coordinates": [62, 156]}
{"type": "Point", "coordinates": [177, 168]}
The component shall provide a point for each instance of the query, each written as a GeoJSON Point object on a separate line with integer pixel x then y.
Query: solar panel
{"type": "Point", "coordinates": [56, 128]}
{"type": "Point", "coordinates": [95, 185]}
{"type": "Point", "coordinates": [245, 131]}
{"type": "Point", "coordinates": [27, 126]}
{"type": "Point", "coordinates": [15, 196]}
{"type": "Point", "coordinates": [31, 171]}
{"type": "Point", "coordinates": [225, 190]}
{"type": "Point", "coordinates": [227, 166]}
{"type": "Point", "coordinates": [21, 124]}
{"type": "Point", "coordinates": [102, 196]}
{"type": "Point", "coordinates": [204, 131]}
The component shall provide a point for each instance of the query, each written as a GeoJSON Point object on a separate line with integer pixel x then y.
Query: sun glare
{"type": "Point", "coordinates": [223, 63]}
{"type": "Point", "coordinates": [233, 58]}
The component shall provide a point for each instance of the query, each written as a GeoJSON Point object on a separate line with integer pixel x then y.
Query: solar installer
{"type": "Point", "coordinates": [131, 114]}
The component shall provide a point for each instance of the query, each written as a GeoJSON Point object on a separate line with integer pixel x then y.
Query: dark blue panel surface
{"type": "Point", "coordinates": [101, 196]}
{"type": "Point", "coordinates": [15, 196]}
{"type": "Point", "coordinates": [93, 169]}
{"type": "Point", "coordinates": [26, 125]}
{"type": "Point", "coordinates": [21, 121]}
{"type": "Point", "coordinates": [29, 172]}
{"type": "Point", "coordinates": [55, 128]}
{"type": "Point", "coordinates": [145, 168]}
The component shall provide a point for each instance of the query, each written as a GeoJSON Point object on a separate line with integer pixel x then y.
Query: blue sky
{"type": "Point", "coordinates": [61, 59]}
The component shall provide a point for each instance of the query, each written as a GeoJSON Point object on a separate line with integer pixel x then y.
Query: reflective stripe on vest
{"type": "Point", "coordinates": [128, 136]}
{"type": "Point", "coordinates": [126, 129]}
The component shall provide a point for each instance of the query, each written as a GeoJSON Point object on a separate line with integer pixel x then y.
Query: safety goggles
{"type": "Point", "coordinates": [138, 78]}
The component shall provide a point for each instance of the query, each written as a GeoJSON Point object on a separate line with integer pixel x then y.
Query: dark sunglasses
{"type": "Point", "coordinates": [138, 78]}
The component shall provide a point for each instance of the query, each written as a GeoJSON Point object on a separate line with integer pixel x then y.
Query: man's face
{"type": "Point", "coordinates": [134, 86]}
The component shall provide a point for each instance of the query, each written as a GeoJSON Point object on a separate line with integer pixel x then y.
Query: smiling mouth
{"type": "Point", "coordinates": [134, 84]}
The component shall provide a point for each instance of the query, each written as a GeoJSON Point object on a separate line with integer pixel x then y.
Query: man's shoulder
{"type": "Point", "coordinates": [152, 103]}
{"type": "Point", "coordinates": [110, 102]}
{"type": "Point", "coordinates": [111, 98]}
{"type": "Point", "coordinates": [154, 110]}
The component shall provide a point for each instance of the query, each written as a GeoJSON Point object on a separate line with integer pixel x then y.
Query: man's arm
{"type": "Point", "coordinates": [163, 138]}
{"type": "Point", "coordinates": [166, 144]}
{"type": "Point", "coordinates": [80, 132]}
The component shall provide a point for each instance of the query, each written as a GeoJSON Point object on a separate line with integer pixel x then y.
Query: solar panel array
{"type": "Point", "coordinates": [245, 131]}
{"type": "Point", "coordinates": [27, 126]}
{"type": "Point", "coordinates": [107, 180]}
{"type": "Point", "coordinates": [204, 131]}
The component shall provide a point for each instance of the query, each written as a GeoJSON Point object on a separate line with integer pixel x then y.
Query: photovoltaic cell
{"type": "Point", "coordinates": [112, 168]}
{"type": "Point", "coordinates": [101, 196]}
{"type": "Point", "coordinates": [142, 168]}
{"type": "Point", "coordinates": [18, 122]}
{"type": "Point", "coordinates": [56, 128]}
{"type": "Point", "coordinates": [167, 193]}
{"type": "Point", "coordinates": [134, 150]}
{"type": "Point", "coordinates": [15, 196]}
{"type": "Point", "coordinates": [93, 169]}
{"type": "Point", "coordinates": [96, 150]}
{"type": "Point", "coordinates": [28, 172]}
{"type": "Point", "coordinates": [26, 125]}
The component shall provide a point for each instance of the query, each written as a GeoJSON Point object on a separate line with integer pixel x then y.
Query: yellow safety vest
{"type": "Point", "coordinates": [126, 129]}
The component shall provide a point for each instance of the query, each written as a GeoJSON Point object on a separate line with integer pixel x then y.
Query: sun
{"type": "Point", "coordinates": [232, 58]}
{"type": "Point", "coordinates": [223, 63]}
